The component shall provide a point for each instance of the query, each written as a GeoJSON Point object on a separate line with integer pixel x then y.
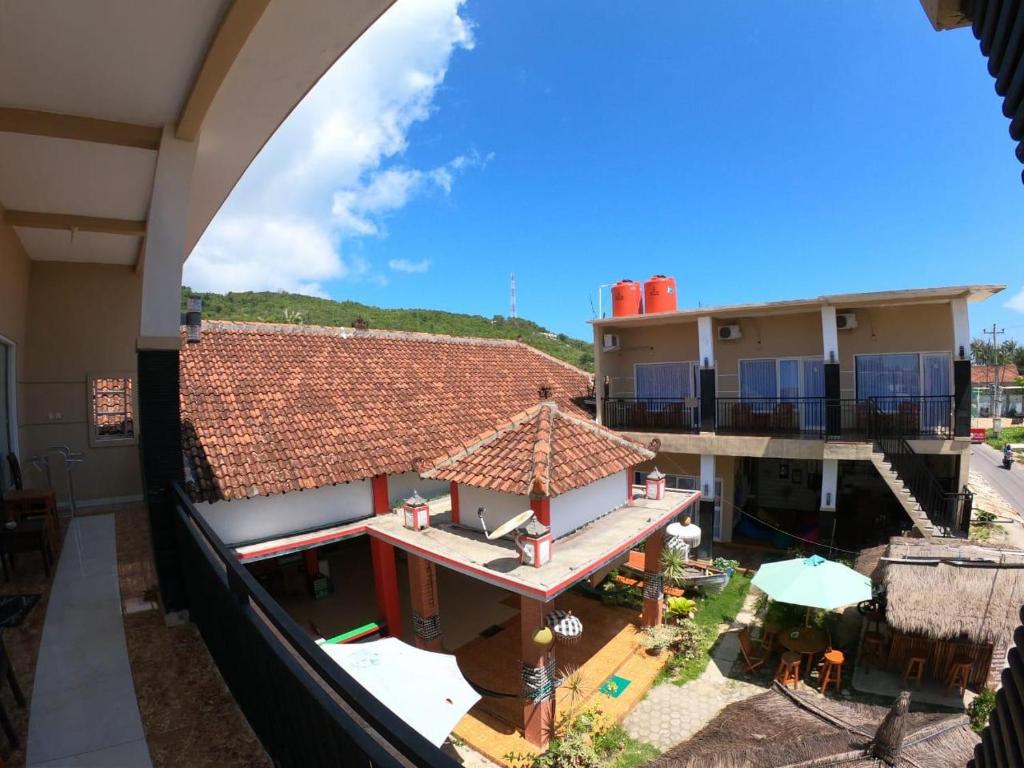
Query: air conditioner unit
{"type": "Point", "coordinates": [610, 342]}
{"type": "Point", "coordinates": [846, 321]}
{"type": "Point", "coordinates": [729, 332]}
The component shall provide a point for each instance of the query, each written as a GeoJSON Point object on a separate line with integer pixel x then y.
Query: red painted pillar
{"type": "Point", "coordinates": [541, 507]}
{"type": "Point", "coordinates": [311, 559]}
{"type": "Point", "coordinates": [426, 619]}
{"type": "Point", "coordinates": [538, 673]}
{"type": "Point", "coordinates": [456, 514]}
{"type": "Point", "coordinates": [653, 596]}
{"type": "Point", "coordinates": [385, 573]}
{"type": "Point", "coordinates": [629, 484]}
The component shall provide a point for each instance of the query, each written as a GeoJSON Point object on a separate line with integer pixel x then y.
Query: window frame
{"type": "Point", "coordinates": [105, 441]}
{"type": "Point", "coordinates": [694, 377]}
{"type": "Point", "coordinates": [920, 370]}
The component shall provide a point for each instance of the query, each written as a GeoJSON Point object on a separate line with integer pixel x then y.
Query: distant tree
{"type": "Point", "coordinates": [1009, 351]}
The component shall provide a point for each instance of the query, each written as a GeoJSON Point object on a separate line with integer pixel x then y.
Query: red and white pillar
{"type": "Point", "coordinates": [538, 674]}
{"type": "Point", "coordinates": [541, 507]}
{"type": "Point", "coordinates": [426, 620]}
{"type": "Point", "coordinates": [456, 512]}
{"type": "Point", "coordinates": [653, 580]}
{"type": "Point", "coordinates": [385, 573]}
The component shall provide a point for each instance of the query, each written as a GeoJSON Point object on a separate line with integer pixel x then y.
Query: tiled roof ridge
{"type": "Point", "coordinates": [479, 441]}
{"type": "Point", "coordinates": [543, 448]}
{"type": "Point", "coordinates": [347, 332]}
{"type": "Point", "coordinates": [606, 433]}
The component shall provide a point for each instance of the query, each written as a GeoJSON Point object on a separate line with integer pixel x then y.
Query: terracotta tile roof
{"type": "Point", "coordinates": [543, 451]}
{"type": "Point", "coordinates": [986, 374]}
{"type": "Point", "coordinates": [267, 409]}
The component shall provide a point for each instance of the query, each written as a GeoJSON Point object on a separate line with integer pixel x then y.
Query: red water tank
{"type": "Point", "coordinates": [626, 299]}
{"type": "Point", "coordinates": [660, 294]}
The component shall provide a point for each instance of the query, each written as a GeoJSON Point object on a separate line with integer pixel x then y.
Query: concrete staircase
{"type": "Point", "coordinates": [915, 511]}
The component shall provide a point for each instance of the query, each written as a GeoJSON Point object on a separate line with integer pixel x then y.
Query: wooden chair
{"type": "Point", "coordinates": [872, 651]}
{"type": "Point", "coordinates": [914, 669]}
{"type": "Point", "coordinates": [752, 657]}
{"type": "Point", "coordinates": [789, 669]}
{"type": "Point", "coordinates": [832, 670]}
{"type": "Point", "coordinates": [959, 674]}
{"type": "Point", "coordinates": [31, 535]}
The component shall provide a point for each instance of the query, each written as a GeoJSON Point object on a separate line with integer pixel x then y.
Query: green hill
{"type": "Point", "coordinates": [270, 307]}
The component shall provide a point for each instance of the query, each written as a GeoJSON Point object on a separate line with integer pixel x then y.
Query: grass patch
{"type": "Point", "coordinates": [622, 750]}
{"type": "Point", "coordinates": [712, 610]}
{"type": "Point", "coordinates": [1008, 435]}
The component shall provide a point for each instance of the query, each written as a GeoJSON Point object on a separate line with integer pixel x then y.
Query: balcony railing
{"type": "Point", "coordinates": [305, 709]}
{"type": "Point", "coordinates": [663, 414]}
{"type": "Point", "coordinates": [815, 417]}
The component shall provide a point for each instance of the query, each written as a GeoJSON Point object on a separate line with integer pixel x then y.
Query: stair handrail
{"type": "Point", "coordinates": [942, 507]}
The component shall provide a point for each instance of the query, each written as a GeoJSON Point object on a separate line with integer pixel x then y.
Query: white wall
{"type": "Point", "coordinates": [500, 506]}
{"type": "Point", "coordinates": [400, 487]}
{"type": "Point", "coordinates": [272, 517]}
{"type": "Point", "coordinates": [578, 507]}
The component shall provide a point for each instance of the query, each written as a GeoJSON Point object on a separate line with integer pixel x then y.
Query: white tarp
{"type": "Point", "coordinates": [425, 689]}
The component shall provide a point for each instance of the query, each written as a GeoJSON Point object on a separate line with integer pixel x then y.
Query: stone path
{"type": "Point", "coordinates": [673, 713]}
{"type": "Point", "coordinates": [83, 709]}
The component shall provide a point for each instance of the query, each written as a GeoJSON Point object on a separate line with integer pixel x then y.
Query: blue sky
{"type": "Point", "coordinates": [756, 151]}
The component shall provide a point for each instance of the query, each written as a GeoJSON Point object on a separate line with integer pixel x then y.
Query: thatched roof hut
{"type": "Point", "coordinates": [789, 728]}
{"type": "Point", "coordinates": [952, 590]}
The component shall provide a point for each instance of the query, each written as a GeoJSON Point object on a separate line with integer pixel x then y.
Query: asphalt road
{"type": "Point", "coordinates": [988, 462]}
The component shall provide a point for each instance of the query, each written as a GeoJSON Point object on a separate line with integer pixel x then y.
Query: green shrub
{"type": "Point", "coordinates": [680, 608]}
{"type": "Point", "coordinates": [979, 710]}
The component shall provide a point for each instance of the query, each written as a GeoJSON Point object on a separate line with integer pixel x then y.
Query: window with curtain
{"type": "Point", "coordinates": [666, 380]}
{"type": "Point", "coordinates": [758, 379]}
{"type": "Point", "coordinates": [888, 376]}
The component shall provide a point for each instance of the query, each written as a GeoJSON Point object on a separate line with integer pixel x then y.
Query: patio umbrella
{"type": "Point", "coordinates": [425, 689]}
{"type": "Point", "coordinates": [813, 582]}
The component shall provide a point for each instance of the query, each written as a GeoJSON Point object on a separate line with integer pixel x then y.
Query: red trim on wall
{"type": "Point", "coordinates": [542, 509]}
{"type": "Point", "coordinates": [381, 500]}
{"type": "Point", "coordinates": [454, 489]}
{"type": "Point", "coordinates": [385, 574]}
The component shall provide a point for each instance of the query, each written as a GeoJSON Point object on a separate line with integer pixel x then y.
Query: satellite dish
{"type": "Point", "coordinates": [509, 525]}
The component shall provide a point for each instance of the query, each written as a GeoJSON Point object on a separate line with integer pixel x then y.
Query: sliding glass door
{"type": "Point", "coordinates": [666, 381]}
{"type": "Point", "coordinates": [797, 380]}
{"type": "Point", "coordinates": [917, 386]}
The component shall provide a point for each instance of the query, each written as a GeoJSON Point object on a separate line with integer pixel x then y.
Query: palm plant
{"type": "Point", "coordinates": [673, 565]}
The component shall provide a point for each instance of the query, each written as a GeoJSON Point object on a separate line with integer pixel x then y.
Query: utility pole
{"type": "Point", "coordinates": [997, 421]}
{"type": "Point", "coordinates": [513, 295]}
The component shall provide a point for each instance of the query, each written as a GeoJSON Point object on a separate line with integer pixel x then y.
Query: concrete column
{"type": "Point", "coordinates": [541, 507]}
{"type": "Point", "coordinates": [538, 673]}
{"type": "Point", "coordinates": [426, 619]}
{"type": "Point", "coordinates": [827, 507]}
{"type": "Point", "coordinates": [456, 511]}
{"type": "Point", "coordinates": [385, 572]}
{"type": "Point", "coordinates": [163, 251]}
{"type": "Point", "coordinates": [653, 581]}
{"type": "Point", "coordinates": [961, 329]}
{"type": "Point", "coordinates": [706, 519]}
{"type": "Point", "coordinates": [830, 352]}
{"type": "Point", "coordinates": [961, 398]}
{"type": "Point", "coordinates": [829, 335]}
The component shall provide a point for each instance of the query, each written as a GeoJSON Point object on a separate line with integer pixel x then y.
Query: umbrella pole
{"type": "Point", "coordinates": [807, 617]}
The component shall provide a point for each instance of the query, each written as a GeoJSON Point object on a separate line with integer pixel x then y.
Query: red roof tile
{"type": "Point", "coordinates": [543, 451]}
{"type": "Point", "coordinates": [267, 409]}
{"type": "Point", "coordinates": [986, 374]}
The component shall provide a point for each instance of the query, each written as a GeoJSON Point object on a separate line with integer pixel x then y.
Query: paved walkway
{"type": "Point", "coordinates": [673, 713]}
{"type": "Point", "coordinates": [83, 710]}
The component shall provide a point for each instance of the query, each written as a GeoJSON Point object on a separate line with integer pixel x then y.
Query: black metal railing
{"type": "Point", "coordinates": [827, 419]}
{"type": "Point", "coordinates": [947, 510]}
{"type": "Point", "coordinates": [652, 413]}
{"type": "Point", "coordinates": [305, 709]}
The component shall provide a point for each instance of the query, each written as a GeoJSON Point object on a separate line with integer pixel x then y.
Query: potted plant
{"type": "Point", "coordinates": [679, 609]}
{"type": "Point", "coordinates": [658, 638]}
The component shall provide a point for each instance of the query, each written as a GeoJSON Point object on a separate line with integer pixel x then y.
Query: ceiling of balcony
{"type": "Point", "coordinates": [86, 90]}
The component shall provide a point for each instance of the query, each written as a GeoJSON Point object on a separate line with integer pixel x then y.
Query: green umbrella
{"type": "Point", "coordinates": [814, 582]}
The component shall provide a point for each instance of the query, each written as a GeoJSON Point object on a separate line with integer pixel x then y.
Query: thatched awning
{"type": "Point", "coordinates": [787, 728]}
{"type": "Point", "coordinates": [952, 590]}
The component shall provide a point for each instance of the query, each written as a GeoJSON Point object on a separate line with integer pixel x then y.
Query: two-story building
{"type": "Point", "coordinates": [837, 419]}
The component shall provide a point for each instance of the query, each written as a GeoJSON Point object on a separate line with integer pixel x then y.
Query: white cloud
{"type": "Point", "coordinates": [1016, 301]}
{"type": "Point", "coordinates": [408, 266]}
{"type": "Point", "coordinates": [330, 173]}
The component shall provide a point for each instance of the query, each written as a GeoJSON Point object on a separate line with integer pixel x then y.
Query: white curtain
{"type": "Point", "coordinates": [757, 379]}
{"type": "Point", "coordinates": [665, 380]}
{"type": "Point", "coordinates": [888, 376]}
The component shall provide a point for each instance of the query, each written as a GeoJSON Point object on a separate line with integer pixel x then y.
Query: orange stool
{"type": "Point", "coordinates": [959, 674]}
{"type": "Point", "coordinates": [872, 651]}
{"type": "Point", "coordinates": [789, 669]}
{"type": "Point", "coordinates": [914, 670]}
{"type": "Point", "coordinates": [832, 670]}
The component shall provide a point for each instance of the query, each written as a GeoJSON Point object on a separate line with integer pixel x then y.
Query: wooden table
{"type": "Point", "coordinates": [808, 642]}
{"type": "Point", "coordinates": [34, 501]}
